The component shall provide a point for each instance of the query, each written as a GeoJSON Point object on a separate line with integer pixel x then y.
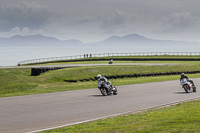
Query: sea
{"type": "Point", "coordinates": [10, 56]}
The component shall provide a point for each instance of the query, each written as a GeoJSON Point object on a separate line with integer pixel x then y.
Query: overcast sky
{"type": "Point", "coordinates": [94, 20]}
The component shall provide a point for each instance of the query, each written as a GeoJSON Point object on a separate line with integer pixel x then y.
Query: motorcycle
{"type": "Point", "coordinates": [188, 87]}
{"type": "Point", "coordinates": [110, 62]}
{"type": "Point", "coordinates": [106, 88]}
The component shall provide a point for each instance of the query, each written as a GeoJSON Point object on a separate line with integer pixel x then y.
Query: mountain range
{"type": "Point", "coordinates": [130, 40]}
{"type": "Point", "coordinates": [35, 41]}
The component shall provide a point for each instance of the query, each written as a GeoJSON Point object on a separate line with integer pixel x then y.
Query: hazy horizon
{"type": "Point", "coordinates": [92, 42]}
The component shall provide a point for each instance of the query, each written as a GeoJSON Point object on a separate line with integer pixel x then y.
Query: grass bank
{"type": "Point", "coordinates": [181, 118]}
{"type": "Point", "coordinates": [107, 59]}
{"type": "Point", "coordinates": [16, 82]}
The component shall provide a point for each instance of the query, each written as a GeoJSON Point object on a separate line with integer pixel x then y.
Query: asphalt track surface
{"type": "Point", "coordinates": [78, 65]}
{"type": "Point", "coordinates": [34, 113]}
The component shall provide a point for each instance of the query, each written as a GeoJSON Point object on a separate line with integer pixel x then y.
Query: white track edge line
{"type": "Point", "coordinates": [145, 109]}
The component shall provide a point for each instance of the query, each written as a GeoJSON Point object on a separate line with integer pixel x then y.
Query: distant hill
{"type": "Point", "coordinates": [128, 39]}
{"type": "Point", "coordinates": [131, 40]}
{"type": "Point", "coordinates": [36, 41]}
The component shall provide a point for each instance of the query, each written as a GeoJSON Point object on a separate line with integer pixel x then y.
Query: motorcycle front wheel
{"type": "Point", "coordinates": [187, 89]}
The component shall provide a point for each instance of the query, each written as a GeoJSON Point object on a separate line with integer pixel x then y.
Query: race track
{"type": "Point", "coordinates": [80, 65]}
{"type": "Point", "coordinates": [36, 112]}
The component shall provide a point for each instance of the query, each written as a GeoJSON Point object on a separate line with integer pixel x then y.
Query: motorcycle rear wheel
{"type": "Point", "coordinates": [194, 89]}
{"type": "Point", "coordinates": [104, 91]}
{"type": "Point", "coordinates": [115, 91]}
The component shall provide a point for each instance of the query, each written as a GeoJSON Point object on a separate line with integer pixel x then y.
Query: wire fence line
{"type": "Point", "coordinates": [108, 55]}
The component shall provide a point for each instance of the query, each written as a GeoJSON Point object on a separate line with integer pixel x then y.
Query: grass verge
{"type": "Point", "coordinates": [180, 118]}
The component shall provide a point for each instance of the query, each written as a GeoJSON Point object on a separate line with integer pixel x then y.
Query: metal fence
{"type": "Point", "coordinates": [108, 55]}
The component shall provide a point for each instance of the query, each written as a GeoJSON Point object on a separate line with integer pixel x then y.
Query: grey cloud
{"type": "Point", "coordinates": [179, 22]}
{"type": "Point", "coordinates": [128, 22]}
{"type": "Point", "coordinates": [112, 23]}
{"type": "Point", "coordinates": [89, 19]}
{"type": "Point", "coordinates": [24, 14]}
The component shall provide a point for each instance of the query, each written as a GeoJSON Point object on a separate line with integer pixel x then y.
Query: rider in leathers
{"type": "Point", "coordinates": [187, 78]}
{"type": "Point", "coordinates": [100, 78]}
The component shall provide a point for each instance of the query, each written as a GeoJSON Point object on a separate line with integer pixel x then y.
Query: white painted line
{"type": "Point", "coordinates": [159, 106]}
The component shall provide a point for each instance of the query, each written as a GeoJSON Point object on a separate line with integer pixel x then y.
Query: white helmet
{"type": "Point", "coordinates": [98, 76]}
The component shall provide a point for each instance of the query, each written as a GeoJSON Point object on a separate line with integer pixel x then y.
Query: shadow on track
{"type": "Point", "coordinates": [180, 93]}
{"type": "Point", "coordinates": [95, 96]}
{"type": "Point", "coordinates": [99, 95]}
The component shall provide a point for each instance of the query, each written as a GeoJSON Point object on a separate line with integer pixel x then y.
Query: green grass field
{"type": "Point", "coordinates": [181, 118]}
{"type": "Point", "coordinates": [15, 82]}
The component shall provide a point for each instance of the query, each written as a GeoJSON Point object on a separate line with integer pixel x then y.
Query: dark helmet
{"type": "Point", "coordinates": [182, 74]}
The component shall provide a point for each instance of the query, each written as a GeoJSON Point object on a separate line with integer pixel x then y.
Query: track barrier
{"type": "Point", "coordinates": [38, 71]}
{"type": "Point", "coordinates": [135, 76]}
{"type": "Point", "coordinates": [89, 57]}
